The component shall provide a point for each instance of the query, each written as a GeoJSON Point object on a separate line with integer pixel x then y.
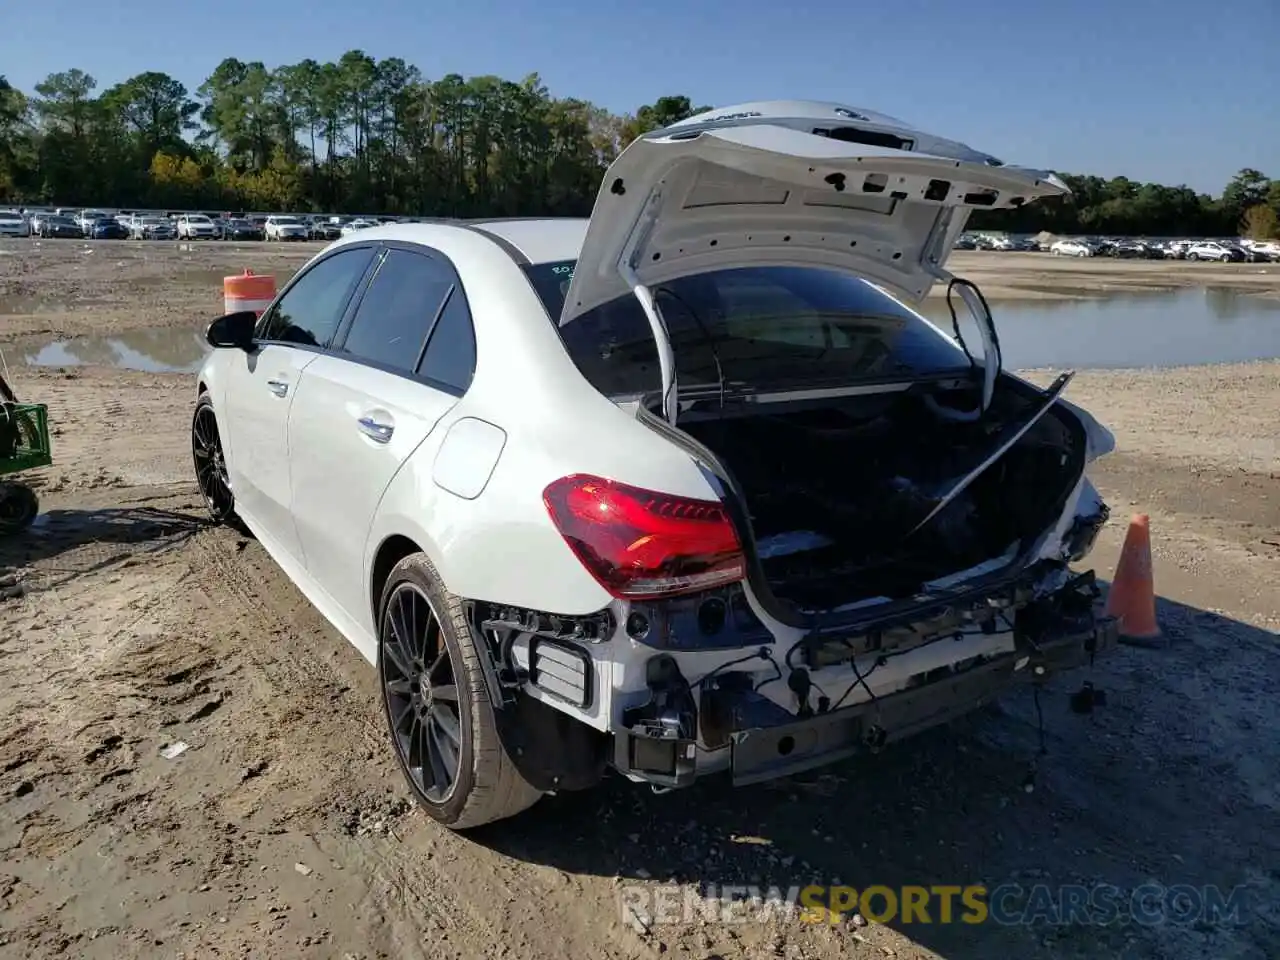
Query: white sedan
{"type": "Point", "coordinates": [686, 488]}
{"type": "Point", "coordinates": [1071, 248]}
{"type": "Point", "coordinates": [13, 224]}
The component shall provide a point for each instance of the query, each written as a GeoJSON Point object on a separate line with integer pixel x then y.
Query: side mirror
{"type": "Point", "coordinates": [233, 330]}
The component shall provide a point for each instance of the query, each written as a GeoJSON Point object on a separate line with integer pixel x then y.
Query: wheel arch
{"type": "Point", "coordinates": [388, 553]}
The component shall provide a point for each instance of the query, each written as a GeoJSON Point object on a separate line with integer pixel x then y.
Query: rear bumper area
{"type": "Point", "coordinates": [765, 753]}
{"type": "Point", "coordinates": [679, 735]}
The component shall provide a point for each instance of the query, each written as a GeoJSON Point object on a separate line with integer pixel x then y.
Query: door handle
{"type": "Point", "coordinates": [278, 387]}
{"type": "Point", "coordinates": [374, 430]}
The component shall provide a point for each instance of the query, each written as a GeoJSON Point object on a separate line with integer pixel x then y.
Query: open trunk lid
{"type": "Point", "coordinates": [788, 183]}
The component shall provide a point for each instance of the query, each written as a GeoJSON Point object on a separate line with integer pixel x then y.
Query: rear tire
{"type": "Point", "coordinates": [436, 704]}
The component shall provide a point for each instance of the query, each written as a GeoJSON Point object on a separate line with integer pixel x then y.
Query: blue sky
{"type": "Point", "coordinates": [1176, 91]}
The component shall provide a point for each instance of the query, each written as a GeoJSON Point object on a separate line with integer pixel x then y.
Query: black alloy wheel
{"type": "Point", "coordinates": [210, 464]}
{"type": "Point", "coordinates": [420, 691]}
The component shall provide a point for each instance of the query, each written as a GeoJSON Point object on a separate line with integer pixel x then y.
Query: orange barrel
{"type": "Point", "coordinates": [248, 291]}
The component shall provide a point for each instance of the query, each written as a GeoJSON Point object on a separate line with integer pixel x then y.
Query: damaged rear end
{"type": "Point", "coordinates": [891, 519]}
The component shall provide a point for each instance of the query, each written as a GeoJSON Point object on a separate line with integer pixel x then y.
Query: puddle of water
{"type": "Point", "coordinates": [1186, 327]}
{"type": "Point", "coordinates": [1177, 328]}
{"type": "Point", "coordinates": [152, 351]}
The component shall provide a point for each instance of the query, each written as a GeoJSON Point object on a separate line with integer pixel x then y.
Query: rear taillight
{"type": "Point", "coordinates": [641, 545]}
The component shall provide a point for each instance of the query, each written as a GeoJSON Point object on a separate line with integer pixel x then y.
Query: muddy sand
{"type": "Point", "coordinates": [129, 626]}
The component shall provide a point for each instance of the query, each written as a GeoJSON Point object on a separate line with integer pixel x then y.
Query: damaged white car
{"type": "Point", "coordinates": [687, 488]}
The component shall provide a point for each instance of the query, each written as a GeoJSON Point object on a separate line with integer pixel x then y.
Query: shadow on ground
{"type": "Point", "coordinates": [1171, 781]}
{"type": "Point", "coordinates": [64, 544]}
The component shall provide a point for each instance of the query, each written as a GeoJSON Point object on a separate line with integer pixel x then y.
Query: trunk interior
{"type": "Point", "coordinates": [835, 491]}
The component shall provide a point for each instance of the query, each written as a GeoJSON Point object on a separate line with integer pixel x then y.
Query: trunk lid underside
{"type": "Point", "coordinates": [756, 185]}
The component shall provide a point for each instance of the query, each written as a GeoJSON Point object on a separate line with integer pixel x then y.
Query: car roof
{"type": "Point", "coordinates": [530, 240]}
{"type": "Point", "coordinates": [539, 241]}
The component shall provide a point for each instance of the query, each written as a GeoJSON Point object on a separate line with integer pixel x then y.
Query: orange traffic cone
{"type": "Point", "coordinates": [1132, 597]}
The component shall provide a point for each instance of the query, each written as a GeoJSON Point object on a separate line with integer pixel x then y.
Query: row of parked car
{"type": "Point", "coordinates": [1221, 251]}
{"type": "Point", "coordinates": [1225, 251]}
{"type": "Point", "coordinates": [97, 224]}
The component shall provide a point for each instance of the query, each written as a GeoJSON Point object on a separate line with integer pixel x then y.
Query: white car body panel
{"type": "Point", "coordinates": [339, 472]}
{"type": "Point", "coordinates": [463, 477]}
{"type": "Point", "coordinates": [467, 457]}
{"type": "Point", "coordinates": [255, 435]}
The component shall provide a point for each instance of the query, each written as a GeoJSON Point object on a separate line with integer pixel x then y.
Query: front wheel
{"type": "Point", "coordinates": [1193, 256]}
{"type": "Point", "coordinates": [436, 704]}
{"type": "Point", "coordinates": [211, 463]}
{"type": "Point", "coordinates": [19, 506]}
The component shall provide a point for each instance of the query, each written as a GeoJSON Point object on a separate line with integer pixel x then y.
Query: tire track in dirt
{"type": "Point", "coordinates": [471, 900]}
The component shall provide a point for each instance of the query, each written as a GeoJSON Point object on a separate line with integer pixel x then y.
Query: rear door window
{"type": "Point", "coordinates": [397, 310]}
{"type": "Point", "coordinates": [451, 352]}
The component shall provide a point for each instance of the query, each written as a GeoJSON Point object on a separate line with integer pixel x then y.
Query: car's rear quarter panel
{"type": "Point", "coordinates": [502, 546]}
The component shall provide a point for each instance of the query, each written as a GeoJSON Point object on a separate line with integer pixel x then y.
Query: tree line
{"type": "Point", "coordinates": [362, 135]}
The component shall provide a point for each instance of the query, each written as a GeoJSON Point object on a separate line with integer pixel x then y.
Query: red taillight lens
{"type": "Point", "coordinates": [639, 544]}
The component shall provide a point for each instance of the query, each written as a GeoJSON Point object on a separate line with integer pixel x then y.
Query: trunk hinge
{"type": "Point", "coordinates": [981, 313]}
{"type": "Point", "coordinates": [662, 339]}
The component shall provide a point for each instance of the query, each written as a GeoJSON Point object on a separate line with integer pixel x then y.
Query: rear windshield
{"type": "Point", "coordinates": [752, 326]}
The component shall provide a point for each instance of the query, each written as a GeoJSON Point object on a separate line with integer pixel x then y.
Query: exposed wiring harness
{"type": "Point", "coordinates": [762, 653]}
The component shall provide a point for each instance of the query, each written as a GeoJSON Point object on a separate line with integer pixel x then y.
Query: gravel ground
{"type": "Point", "coordinates": [129, 626]}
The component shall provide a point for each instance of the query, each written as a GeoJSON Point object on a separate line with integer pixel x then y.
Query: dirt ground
{"type": "Point", "coordinates": [128, 626]}
{"type": "Point", "coordinates": [75, 287]}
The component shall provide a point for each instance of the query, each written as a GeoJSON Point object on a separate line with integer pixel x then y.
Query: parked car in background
{"type": "Point", "coordinates": [285, 227]}
{"type": "Point", "coordinates": [195, 226]}
{"type": "Point", "coordinates": [1071, 248]}
{"type": "Point", "coordinates": [1251, 253]}
{"type": "Point", "coordinates": [328, 228]}
{"type": "Point", "coordinates": [152, 228]}
{"type": "Point", "coordinates": [355, 226]}
{"type": "Point", "coordinates": [14, 224]}
{"type": "Point", "coordinates": [1131, 250]}
{"type": "Point", "coordinates": [87, 218]}
{"type": "Point", "coordinates": [237, 228]}
{"type": "Point", "coordinates": [644, 493]}
{"type": "Point", "coordinates": [108, 228]}
{"type": "Point", "coordinates": [1213, 250]}
{"type": "Point", "coordinates": [1268, 248]}
{"type": "Point", "coordinates": [56, 227]}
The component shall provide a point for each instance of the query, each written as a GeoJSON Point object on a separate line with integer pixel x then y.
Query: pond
{"type": "Point", "coordinates": [1194, 325]}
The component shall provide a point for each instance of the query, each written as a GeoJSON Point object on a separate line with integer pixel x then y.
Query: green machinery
{"type": "Point", "coordinates": [24, 445]}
